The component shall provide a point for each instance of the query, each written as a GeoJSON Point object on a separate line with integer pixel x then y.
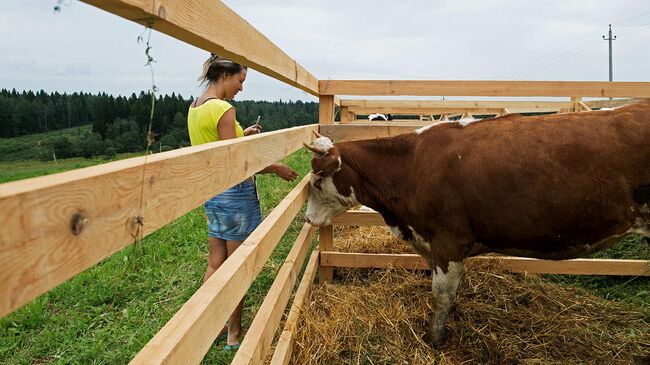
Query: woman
{"type": "Point", "coordinates": [235, 213]}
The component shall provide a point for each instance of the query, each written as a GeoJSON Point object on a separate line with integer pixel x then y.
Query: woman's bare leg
{"type": "Point", "coordinates": [234, 323]}
{"type": "Point", "coordinates": [217, 255]}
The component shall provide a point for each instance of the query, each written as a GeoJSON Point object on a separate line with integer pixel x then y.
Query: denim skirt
{"type": "Point", "coordinates": [235, 213]}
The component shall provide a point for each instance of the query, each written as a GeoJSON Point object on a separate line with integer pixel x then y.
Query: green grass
{"type": "Point", "coordinates": [18, 170]}
{"type": "Point", "coordinates": [106, 314]}
{"type": "Point", "coordinates": [31, 146]}
{"type": "Point", "coordinates": [632, 290]}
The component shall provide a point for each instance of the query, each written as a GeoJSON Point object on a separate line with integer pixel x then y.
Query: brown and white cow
{"type": "Point", "coordinates": [554, 186]}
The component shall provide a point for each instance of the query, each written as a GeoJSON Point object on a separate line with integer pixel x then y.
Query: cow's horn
{"type": "Point", "coordinates": [320, 151]}
{"type": "Point", "coordinates": [316, 133]}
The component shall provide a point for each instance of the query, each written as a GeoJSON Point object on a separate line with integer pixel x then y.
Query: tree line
{"type": "Point", "coordinates": [119, 123]}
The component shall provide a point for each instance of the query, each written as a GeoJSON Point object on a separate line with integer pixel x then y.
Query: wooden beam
{"type": "Point", "coordinates": [609, 103]}
{"type": "Point", "coordinates": [583, 107]}
{"type": "Point", "coordinates": [325, 243]}
{"type": "Point", "coordinates": [282, 353]}
{"type": "Point", "coordinates": [359, 218]}
{"type": "Point", "coordinates": [56, 226]}
{"type": "Point", "coordinates": [190, 333]}
{"type": "Point", "coordinates": [260, 334]}
{"type": "Point", "coordinates": [484, 88]}
{"type": "Point", "coordinates": [326, 109]}
{"type": "Point", "coordinates": [450, 106]}
{"type": "Point", "coordinates": [513, 264]}
{"type": "Point", "coordinates": [422, 111]}
{"type": "Point", "coordinates": [214, 27]}
{"type": "Point", "coordinates": [345, 115]}
{"type": "Point", "coordinates": [457, 104]}
{"type": "Point", "coordinates": [377, 260]}
{"type": "Point", "coordinates": [368, 130]}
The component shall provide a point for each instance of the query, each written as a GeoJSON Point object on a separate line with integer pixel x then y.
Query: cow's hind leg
{"type": "Point", "coordinates": [444, 285]}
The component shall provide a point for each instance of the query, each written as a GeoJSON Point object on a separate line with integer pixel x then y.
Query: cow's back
{"type": "Point", "coordinates": [541, 182]}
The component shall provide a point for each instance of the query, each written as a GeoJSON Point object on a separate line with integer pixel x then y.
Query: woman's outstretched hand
{"type": "Point", "coordinates": [285, 172]}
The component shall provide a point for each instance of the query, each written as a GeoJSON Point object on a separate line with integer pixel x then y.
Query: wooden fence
{"type": "Point", "coordinates": [57, 226]}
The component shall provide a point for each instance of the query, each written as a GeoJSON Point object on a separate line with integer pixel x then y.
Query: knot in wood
{"type": "Point", "coordinates": [133, 225]}
{"type": "Point", "coordinates": [162, 12]}
{"type": "Point", "coordinates": [78, 222]}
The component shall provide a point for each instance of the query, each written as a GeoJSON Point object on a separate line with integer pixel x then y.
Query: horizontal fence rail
{"type": "Point", "coordinates": [187, 337]}
{"type": "Point", "coordinates": [512, 264]}
{"type": "Point", "coordinates": [214, 27]}
{"type": "Point", "coordinates": [484, 88]}
{"type": "Point", "coordinates": [475, 107]}
{"type": "Point", "coordinates": [56, 226]}
{"type": "Point", "coordinates": [368, 130]}
{"type": "Point", "coordinates": [330, 259]}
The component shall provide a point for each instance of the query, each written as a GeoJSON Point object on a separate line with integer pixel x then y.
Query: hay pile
{"type": "Point", "coordinates": [371, 239]}
{"type": "Point", "coordinates": [379, 317]}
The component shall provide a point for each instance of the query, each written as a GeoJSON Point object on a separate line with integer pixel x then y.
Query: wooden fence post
{"type": "Point", "coordinates": [325, 240]}
{"type": "Point", "coordinates": [325, 243]}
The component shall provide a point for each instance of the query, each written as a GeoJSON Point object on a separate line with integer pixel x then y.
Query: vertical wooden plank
{"type": "Point", "coordinates": [325, 243]}
{"type": "Point", "coordinates": [256, 344]}
{"type": "Point", "coordinates": [575, 106]}
{"type": "Point", "coordinates": [282, 353]}
{"type": "Point", "coordinates": [345, 115]}
{"type": "Point", "coordinates": [326, 109]}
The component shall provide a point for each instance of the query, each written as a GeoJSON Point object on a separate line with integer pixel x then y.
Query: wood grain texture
{"type": "Point", "coordinates": [283, 348]}
{"type": "Point", "coordinates": [259, 337]}
{"type": "Point", "coordinates": [484, 88]}
{"type": "Point", "coordinates": [325, 243]}
{"type": "Point", "coordinates": [513, 264]}
{"type": "Point", "coordinates": [38, 249]}
{"type": "Point", "coordinates": [190, 333]}
{"type": "Point", "coordinates": [368, 130]}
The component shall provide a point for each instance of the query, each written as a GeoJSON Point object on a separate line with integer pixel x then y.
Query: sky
{"type": "Point", "coordinates": [82, 48]}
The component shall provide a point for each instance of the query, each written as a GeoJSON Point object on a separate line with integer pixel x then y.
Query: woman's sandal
{"type": "Point", "coordinates": [234, 347]}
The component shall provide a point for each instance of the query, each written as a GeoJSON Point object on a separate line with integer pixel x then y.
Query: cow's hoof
{"type": "Point", "coordinates": [435, 338]}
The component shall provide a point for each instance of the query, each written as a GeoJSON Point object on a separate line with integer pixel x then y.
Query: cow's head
{"type": "Point", "coordinates": [326, 198]}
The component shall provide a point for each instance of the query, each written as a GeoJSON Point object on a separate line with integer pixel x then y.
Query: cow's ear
{"type": "Point", "coordinates": [325, 166]}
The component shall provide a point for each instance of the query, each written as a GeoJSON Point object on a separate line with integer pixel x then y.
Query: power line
{"type": "Point", "coordinates": [570, 54]}
{"type": "Point", "coordinates": [566, 52]}
{"type": "Point", "coordinates": [546, 58]}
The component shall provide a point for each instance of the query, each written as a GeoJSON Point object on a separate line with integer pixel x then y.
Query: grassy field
{"type": "Point", "coordinates": [18, 170]}
{"type": "Point", "coordinates": [108, 313]}
{"type": "Point", "coordinates": [31, 147]}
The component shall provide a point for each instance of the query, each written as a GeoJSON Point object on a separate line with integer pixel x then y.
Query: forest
{"type": "Point", "coordinates": [118, 124]}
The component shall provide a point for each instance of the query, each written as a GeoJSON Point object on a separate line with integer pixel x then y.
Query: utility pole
{"type": "Point", "coordinates": [610, 39]}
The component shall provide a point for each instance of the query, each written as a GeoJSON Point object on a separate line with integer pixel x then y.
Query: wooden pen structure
{"type": "Point", "coordinates": [57, 226]}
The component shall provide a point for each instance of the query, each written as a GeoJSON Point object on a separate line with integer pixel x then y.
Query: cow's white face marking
{"type": "Point", "coordinates": [325, 202]}
{"type": "Point", "coordinates": [323, 143]}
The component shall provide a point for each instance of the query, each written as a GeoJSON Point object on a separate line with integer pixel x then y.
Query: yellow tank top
{"type": "Point", "coordinates": [202, 121]}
